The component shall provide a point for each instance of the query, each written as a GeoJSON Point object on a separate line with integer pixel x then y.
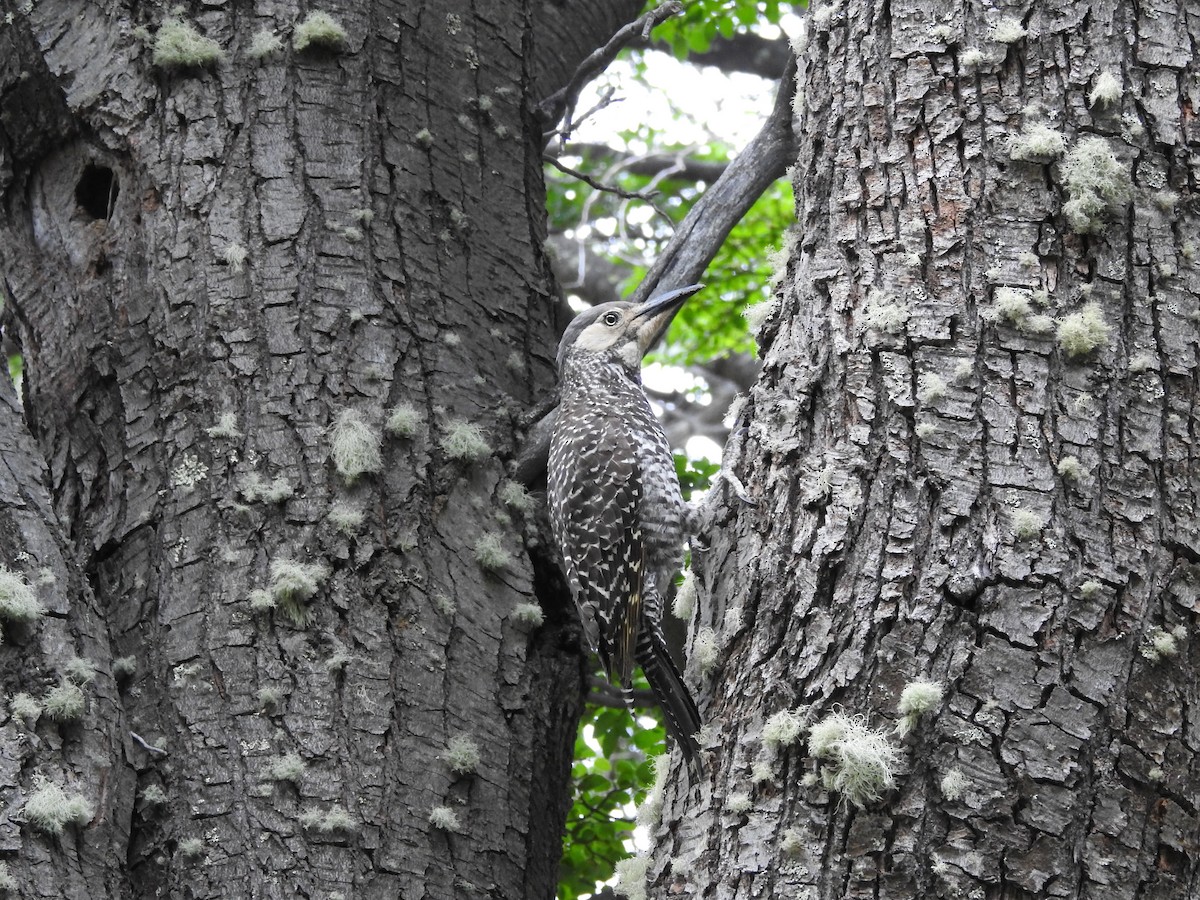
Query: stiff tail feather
{"type": "Point", "coordinates": [679, 709]}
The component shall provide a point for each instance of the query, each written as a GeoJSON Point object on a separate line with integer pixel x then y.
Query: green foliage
{"type": "Point", "coordinates": [704, 20]}
{"type": "Point", "coordinates": [694, 474]}
{"type": "Point", "coordinates": [606, 784]}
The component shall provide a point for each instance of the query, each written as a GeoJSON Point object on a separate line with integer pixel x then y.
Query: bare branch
{"type": "Point", "coordinates": [722, 206]}
{"type": "Point", "coordinates": [561, 104]}
{"type": "Point", "coordinates": [675, 165]}
{"type": "Point", "coordinates": [600, 185]}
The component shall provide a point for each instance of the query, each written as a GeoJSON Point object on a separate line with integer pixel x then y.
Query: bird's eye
{"type": "Point", "coordinates": [611, 318]}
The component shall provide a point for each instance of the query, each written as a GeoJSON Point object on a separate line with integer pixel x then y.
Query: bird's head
{"type": "Point", "coordinates": [622, 332]}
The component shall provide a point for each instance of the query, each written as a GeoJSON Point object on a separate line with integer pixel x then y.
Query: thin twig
{"type": "Point", "coordinates": [600, 185]}
{"type": "Point", "coordinates": [562, 102]}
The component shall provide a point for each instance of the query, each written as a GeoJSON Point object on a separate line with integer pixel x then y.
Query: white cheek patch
{"type": "Point", "coordinates": [595, 338]}
{"type": "Point", "coordinates": [631, 354]}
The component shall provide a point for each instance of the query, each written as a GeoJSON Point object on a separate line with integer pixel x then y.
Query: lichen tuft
{"type": "Point", "coordinates": [356, 448]}
{"type": "Point", "coordinates": [49, 808]}
{"type": "Point", "coordinates": [490, 552]}
{"type": "Point", "coordinates": [1082, 332]}
{"type": "Point", "coordinates": [18, 603]}
{"type": "Point", "coordinates": [1097, 183]}
{"type": "Point", "coordinates": [464, 441]}
{"type": "Point", "coordinates": [319, 30]}
{"type": "Point", "coordinates": [178, 45]}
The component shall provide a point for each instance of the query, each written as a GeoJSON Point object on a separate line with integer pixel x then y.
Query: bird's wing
{"type": "Point", "coordinates": [602, 540]}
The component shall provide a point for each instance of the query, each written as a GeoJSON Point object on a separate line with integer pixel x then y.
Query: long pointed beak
{"type": "Point", "coordinates": [654, 315]}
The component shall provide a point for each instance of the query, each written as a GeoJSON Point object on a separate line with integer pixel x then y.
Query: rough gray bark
{"type": "Point", "coordinates": [882, 545]}
{"type": "Point", "coordinates": [388, 200]}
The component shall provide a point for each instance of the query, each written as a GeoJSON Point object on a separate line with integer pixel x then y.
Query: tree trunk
{"type": "Point", "coordinates": [225, 276]}
{"type": "Point", "coordinates": [943, 492]}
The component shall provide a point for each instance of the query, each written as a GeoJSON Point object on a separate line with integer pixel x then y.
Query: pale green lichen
{"type": "Point", "coordinates": [1090, 589]}
{"type": "Point", "coordinates": [153, 795]}
{"type": "Point", "coordinates": [1012, 306]}
{"type": "Point", "coordinates": [7, 881]}
{"type": "Point", "coordinates": [859, 761]}
{"type": "Point", "coordinates": [954, 785]}
{"type": "Point", "coordinates": [289, 767]}
{"type": "Point", "coordinates": [705, 650]}
{"type": "Point", "coordinates": [527, 616]}
{"type": "Point", "coordinates": [515, 497]}
{"type": "Point", "coordinates": [685, 597]}
{"type": "Point", "coordinates": [292, 584]}
{"type": "Point", "coordinates": [783, 729]}
{"type": "Point", "coordinates": [234, 255]}
{"type": "Point", "coordinates": [18, 603]}
{"type": "Point", "coordinates": [1037, 143]}
{"type": "Point", "coordinates": [269, 698]}
{"type": "Point", "coordinates": [346, 517]}
{"type": "Point", "coordinates": [264, 43]}
{"type": "Point", "coordinates": [1025, 524]}
{"type": "Point", "coordinates": [886, 314]}
{"type": "Point", "coordinates": [24, 707]}
{"type": "Point", "coordinates": [319, 30]}
{"type": "Point", "coordinates": [336, 818]}
{"type": "Point", "coordinates": [757, 314]}
{"type": "Point", "coordinates": [339, 660]}
{"type": "Point", "coordinates": [464, 441]}
{"type": "Point", "coordinates": [1098, 184]}
{"type": "Point", "coordinates": [649, 812]}
{"type": "Point", "coordinates": [255, 488]}
{"type": "Point", "coordinates": [971, 58]}
{"type": "Point", "coordinates": [80, 670]}
{"type": "Point", "coordinates": [463, 755]}
{"type": "Point", "coordinates": [64, 703]}
{"type": "Point", "coordinates": [355, 448]}
{"type": "Point", "coordinates": [1008, 31]}
{"type": "Point", "coordinates": [1070, 468]}
{"type": "Point", "coordinates": [1165, 200]}
{"type": "Point", "coordinates": [931, 388]}
{"type": "Point", "coordinates": [917, 698]}
{"type": "Point", "coordinates": [925, 430]}
{"type": "Point", "coordinates": [738, 803]}
{"type": "Point", "coordinates": [490, 552]}
{"type": "Point", "coordinates": [761, 771]}
{"type": "Point", "coordinates": [1027, 259]}
{"type": "Point", "coordinates": [791, 842]}
{"type": "Point", "coordinates": [1082, 332]}
{"type": "Point", "coordinates": [50, 809]}
{"type": "Point", "coordinates": [191, 848]}
{"type": "Point", "coordinates": [1143, 362]}
{"type": "Point", "coordinates": [1106, 90]}
{"type": "Point", "coordinates": [178, 45]}
{"type": "Point", "coordinates": [445, 819]}
{"type": "Point", "coordinates": [423, 138]}
{"type": "Point", "coordinates": [942, 34]}
{"type": "Point", "coordinates": [1160, 644]}
{"type": "Point", "coordinates": [403, 421]}
{"type": "Point", "coordinates": [261, 600]}
{"type": "Point", "coordinates": [226, 427]}
{"type": "Point", "coordinates": [631, 871]}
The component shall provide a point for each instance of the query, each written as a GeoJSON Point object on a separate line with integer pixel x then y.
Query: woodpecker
{"type": "Point", "coordinates": [615, 506]}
